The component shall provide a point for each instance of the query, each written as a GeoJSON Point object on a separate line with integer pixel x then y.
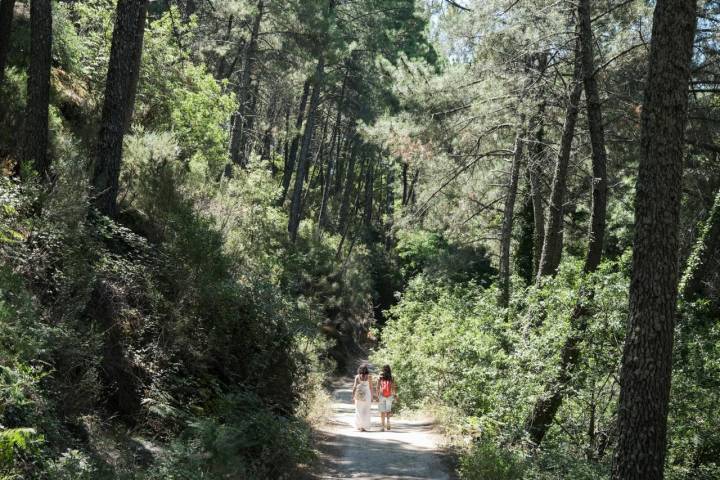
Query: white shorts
{"type": "Point", "coordinates": [385, 404]}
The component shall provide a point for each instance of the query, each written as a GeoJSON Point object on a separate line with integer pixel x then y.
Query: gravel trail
{"type": "Point", "coordinates": [409, 451]}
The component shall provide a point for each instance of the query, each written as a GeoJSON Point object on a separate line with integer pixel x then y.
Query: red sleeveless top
{"type": "Point", "coordinates": [386, 387]}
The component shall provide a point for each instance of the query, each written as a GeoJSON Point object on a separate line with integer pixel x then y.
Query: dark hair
{"type": "Point", "coordinates": [363, 369]}
{"type": "Point", "coordinates": [386, 373]}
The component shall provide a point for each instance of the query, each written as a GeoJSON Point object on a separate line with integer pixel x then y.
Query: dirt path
{"type": "Point", "coordinates": [409, 451]}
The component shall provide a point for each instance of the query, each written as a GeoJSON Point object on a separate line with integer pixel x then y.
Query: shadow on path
{"type": "Point", "coordinates": [408, 451]}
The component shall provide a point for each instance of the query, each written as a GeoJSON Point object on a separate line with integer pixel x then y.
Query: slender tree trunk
{"type": "Point", "coordinates": [348, 143]}
{"type": "Point", "coordinates": [523, 258]}
{"type": "Point", "coordinates": [597, 141]}
{"type": "Point", "coordinates": [123, 58]}
{"type": "Point", "coordinates": [369, 194]}
{"type": "Point", "coordinates": [405, 185]}
{"type": "Point", "coordinates": [535, 173]}
{"type": "Point", "coordinates": [292, 155]}
{"type": "Point", "coordinates": [347, 192]}
{"type": "Point", "coordinates": [508, 216]}
{"type": "Point", "coordinates": [552, 244]}
{"type": "Point", "coordinates": [647, 356]}
{"type": "Point", "coordinates": [222, 62]}
{"type": "Point", "coordinates": [549, 402]}
{"type": "Point", "coordinates": [7, 9]}
{"type": "Point", "coordinates": [305, 154]}
{"type": "Point", "coordinates": [704, 262]}
{"type": "Point", "coordinates": [248, 145]}
{"type": "Point", "coordinates": [38, 98]}
{"type": "Point", "coordinates": [357, 189]}
{"type": "Point", "coordinates": [136, 64]}
{"type": "Point", "coordinates": [389, 208]}
{"type": "Point", "coordinates": [245, 97]}
{"type": "Point", "coordinates": [322, 218]}
{"type": "Point", "coordinates": [412, 197]}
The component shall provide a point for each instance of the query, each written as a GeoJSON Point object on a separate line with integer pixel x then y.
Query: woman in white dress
{"type": "Point", "coordinates": [362, 394]}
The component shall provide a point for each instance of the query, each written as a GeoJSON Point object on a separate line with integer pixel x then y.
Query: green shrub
{"type": "Point", "coordinates": [487, 461]}
{"type": "Point", "coordinates": [240, 438]}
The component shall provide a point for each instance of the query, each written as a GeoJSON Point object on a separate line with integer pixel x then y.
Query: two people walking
{"type": "Point", "coordinates": [364, 392]}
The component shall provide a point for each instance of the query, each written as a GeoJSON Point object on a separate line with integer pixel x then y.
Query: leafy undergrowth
{"type": "Point", "coordinates": [479, 369]}
{"type": "Point", "coordinates": [177, 344]}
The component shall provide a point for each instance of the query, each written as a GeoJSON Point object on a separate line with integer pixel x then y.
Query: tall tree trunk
{"type": "Point", "coordinates": [547, 405]}
{"type": "Point", "coordinates": [412, 196]}
{"type": "Point", "coordinates": [355, 204]}
{"type": "Point", "coordinates": [552, 244]}
{"type": "Point", "coordinates": [347, 144]}
{"type": "Point", "coordinates": [123, 58]}
{"type": "Point", "coordinates": [347, 192]}
{"type": "Point", "coordinates": [7, 9]}
{"type": "Point", "coordinates": [647, 357]}
{"type": "Point", "coordinates": [535, 174]}
{"type": "Point", "coordinates": [389, 208]}
{"type": "Point", "coordinates": [38, 97]}
{"type": "Point", "coordinates": [245, 97]}
{"type": "Point", "coordinates": [322, 220]}
{"type": "Point", "coordinates": [305, 154]}
{"type": "Point", "coordinates": [508, 216]}
{"type": "Point", "coordinates": [289, 166]}
{"type": "Point", "coordinates": [704, 263]}
{"type": "Point", "coordinates": [597, 141]}
{"type": "Point", "coordinates": [369, 194]}
{"type": "Point", "coordinates": [523, 257]}
{"type": "Point", "coordinates": [405, 184]}
{"type": "Point", "coordinates": [136, 64]}
{"type": "Point", "coordinates": [248, 145]}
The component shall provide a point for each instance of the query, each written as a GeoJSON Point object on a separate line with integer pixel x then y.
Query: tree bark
{"type": "Point", "coordinates": [322, 218]}
{"type": "Point", "coordinates": [523, 258]}
{"type": "Point", "coordinates": [136, 64]}
{"type": "Point", "coordinates": [245, 97]}
{"type": "Point", "coordinates": [547, 405]}
{"type": "Point", "coordinates": [552, 244]}
{"type": "Point", "coordinates": [347, 192]}
{"type": "Point", "coordinates": [369, 194]}
{"type": "Point", "coordinates": [289, 166]}
{"type": "Point", "coordinates": [305, 154]}
{"type": "Point", "coordinates": [38, 97]}
{"type": "Point", "coordinates": [389, 208]}
{"type": "Point", "coordinates": [405, 185]}
{"type": "Point", "coordinates": [647, 356]}
{"type": "Point", "coordinates": [123, 58]}
{"type": "Point", "coordinates": [7, 10]}
{"type": "Point", "coordinates": [535, 173]}
{"type": "Point", "coordinates": [597, 141]}
{"type": "Point", "coordinates": [507, 225]}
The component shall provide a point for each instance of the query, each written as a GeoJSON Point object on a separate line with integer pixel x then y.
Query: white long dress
{"type": "Point", "coordinates": [363, 403]}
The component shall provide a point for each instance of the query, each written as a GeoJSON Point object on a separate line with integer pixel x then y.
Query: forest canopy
{"type": "Point", "coordinates": [208, 208]}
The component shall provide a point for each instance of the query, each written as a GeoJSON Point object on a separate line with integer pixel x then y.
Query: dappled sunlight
{"type": "Point", "coordinates": [409, 450]}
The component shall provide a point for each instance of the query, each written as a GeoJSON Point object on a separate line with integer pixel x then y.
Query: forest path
{"type": "Point", "coordinates": [409, 451]}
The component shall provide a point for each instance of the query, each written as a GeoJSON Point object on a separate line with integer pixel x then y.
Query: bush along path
{"type": "Point", "coordinates": [409, 451]}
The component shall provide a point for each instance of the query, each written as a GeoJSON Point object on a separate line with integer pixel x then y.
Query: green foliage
{"type": "Point", "coordinates": [72, 465]}
{"type": "Point", "coordinates": [239, 438]}
{"type": "Point", "coordinates": [15, 442]}
{"type": "Point", "coordinates": [487, 365]}
{"type": "Point", "coordinates": [486, 460]}
{"type": "Point", "coordinates": [432, 254]}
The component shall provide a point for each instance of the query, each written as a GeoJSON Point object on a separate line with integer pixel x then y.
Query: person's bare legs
{"type": "Point", "coordinates": [382, 419]}
{"type": "Point", "coordinates": [387, 416]}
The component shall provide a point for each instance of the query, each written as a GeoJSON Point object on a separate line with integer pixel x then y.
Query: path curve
{"type": "Point", "coordinates": [409, 451]}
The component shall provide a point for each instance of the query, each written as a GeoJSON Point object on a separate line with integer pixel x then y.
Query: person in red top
{"type": "Point", "coordinates": [387, 392]}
